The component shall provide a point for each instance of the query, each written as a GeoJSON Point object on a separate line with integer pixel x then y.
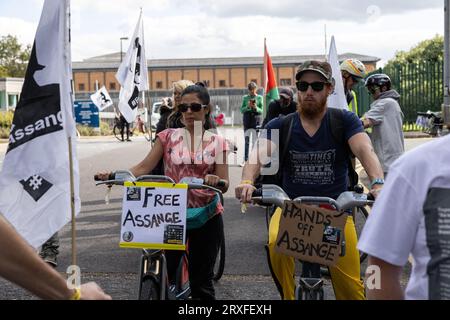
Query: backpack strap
{"type": "Point", "coordinates": [336, 124]}
{"type": "Point", "coordinates": [285, 135]}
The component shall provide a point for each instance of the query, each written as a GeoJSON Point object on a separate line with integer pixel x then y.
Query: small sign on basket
{"type": "Point", "coordinates": [154, 216]}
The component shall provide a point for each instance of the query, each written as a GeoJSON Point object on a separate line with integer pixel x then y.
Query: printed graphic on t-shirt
{"type": "Point", "coordinates": [437, 222]}
{"type": "Point", "coordinates": [314, 168]}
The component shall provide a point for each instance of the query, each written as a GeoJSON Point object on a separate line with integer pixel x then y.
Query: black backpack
{"type": "Point", "coordinates": [335, 122]}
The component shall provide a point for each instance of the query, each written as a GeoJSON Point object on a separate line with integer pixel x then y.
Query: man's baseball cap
{"type": "Point", "coordinates": [286, 93]}
{"type": "Point", "coordinates": [321, 67]}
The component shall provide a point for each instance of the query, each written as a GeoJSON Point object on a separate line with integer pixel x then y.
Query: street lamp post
{"type": "Point", "coordinates": [121, 51]}
{"type": "Point", "coordinates": [446, 105]}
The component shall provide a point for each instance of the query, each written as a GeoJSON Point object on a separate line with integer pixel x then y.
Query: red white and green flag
{"type": "Point", "coordinates": [270, 82]}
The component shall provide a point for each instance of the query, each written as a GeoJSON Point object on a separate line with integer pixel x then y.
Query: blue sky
{"type": "Point", "coordinates": [211, 28]}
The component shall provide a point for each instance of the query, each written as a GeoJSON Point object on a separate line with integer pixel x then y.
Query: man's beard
{"type": "Point", "coordinates": [311, 109]}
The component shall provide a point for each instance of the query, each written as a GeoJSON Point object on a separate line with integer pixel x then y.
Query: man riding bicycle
{"type": "Point", "coordinates": [315, 164]}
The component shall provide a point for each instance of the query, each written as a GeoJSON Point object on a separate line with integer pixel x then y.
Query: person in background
{"type": "Point", "coordinates": [22, 266]}
{"type": "Point", "coordinates": [285, 105]}
{"type": "Point", "coordinates": [353, 71]}
{"type": "Point", "coordinates": [165, 110]}
{"type": "Point", "coordinates": [385, 117]}
{"type": "Point", "coordinates": [175, 118]}
{"type": "Point", "coordinates": [251, 109]}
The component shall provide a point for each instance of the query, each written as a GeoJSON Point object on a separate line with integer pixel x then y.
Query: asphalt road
{"type": "Point", "coordinates": [246, 273]}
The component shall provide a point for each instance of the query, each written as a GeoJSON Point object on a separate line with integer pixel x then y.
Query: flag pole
{"type": "Point", "coordinates": [265, 78]}
{"type": "Point", "coordinates": [69, 140]}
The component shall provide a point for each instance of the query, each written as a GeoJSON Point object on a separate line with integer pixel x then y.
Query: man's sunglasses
{"type": "Point", "coordinates": [316, 86]}
{"type": "Point", "coordinates": [195, 107]}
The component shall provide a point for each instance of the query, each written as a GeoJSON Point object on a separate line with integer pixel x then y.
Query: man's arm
{"type": "Point", "coordinates": [362, 148]}
{"type": "Point", "coordinates": [260, 154]}
{"type": "Point", "coordinates": [367, 123]}
{"type": "Point", "coordinates": [244, 105]}
{"type": "Point", "coordinates": [259, 104]}
{"type": "Point", "coordinates": [21, 265]}
{"type": "Point", "coordinates": [389, 284]}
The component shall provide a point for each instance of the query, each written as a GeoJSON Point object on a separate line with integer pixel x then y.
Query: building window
{"type": "Point", "coordinates": [112, 86]}
{"type": "Point", "coordinates": [222, 83]}
{"type": "Point", "coordinates": [286, 82]}
{"type": "Point", "coordinates": [159, 85]}
{"type": "Point", "coordinates": [81, 87]}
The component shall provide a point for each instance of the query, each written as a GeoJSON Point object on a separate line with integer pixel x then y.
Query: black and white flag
{"type": "Point", "coordinates": [35, 179]}
{"type": "Point", "coordinates": [102, 99]}
{"type": "Point", "coordinates": [133, 74]}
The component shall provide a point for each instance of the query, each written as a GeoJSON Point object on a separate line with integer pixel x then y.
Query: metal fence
{"type": "Point", "coordinates": [420, 86]}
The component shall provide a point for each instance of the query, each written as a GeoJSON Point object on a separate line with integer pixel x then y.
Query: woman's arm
{"type": "Point", "coordinates": [221, 173]}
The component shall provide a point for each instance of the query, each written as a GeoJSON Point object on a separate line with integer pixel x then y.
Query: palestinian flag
{"type": "Point", "coordinates": [271, 88]}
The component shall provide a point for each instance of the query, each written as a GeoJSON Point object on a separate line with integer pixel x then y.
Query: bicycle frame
{"type": "Point", "coordinates": [153, 262]}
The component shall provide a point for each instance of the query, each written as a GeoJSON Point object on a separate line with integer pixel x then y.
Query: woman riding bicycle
{"type": "Point", "coordinates": [193, 152]}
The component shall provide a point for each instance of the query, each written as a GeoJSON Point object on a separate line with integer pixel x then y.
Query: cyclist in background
{"type": "Point", "coordinates": [385, 117]}
{"type": "Point", "coordinates": [202, 156]}
{"type": "Point", "coordinates": [353, 71]}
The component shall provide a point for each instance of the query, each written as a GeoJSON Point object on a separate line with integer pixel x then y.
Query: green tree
{"type": "Point", "coordinates": [431, 50]}
{"type": "Point", "coordinates": [13, 57]}
{"type": "Point", "coordinates": [417, 75]}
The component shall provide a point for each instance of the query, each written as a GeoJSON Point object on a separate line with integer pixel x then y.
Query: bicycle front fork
{"type": "Point", "coordinates": [310, 286]}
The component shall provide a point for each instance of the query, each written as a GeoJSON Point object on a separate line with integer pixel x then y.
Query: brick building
{"type": "Point", "coordinates": [218, 73]}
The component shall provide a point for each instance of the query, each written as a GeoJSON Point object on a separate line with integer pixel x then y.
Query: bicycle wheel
{"type": "Point", "coordinates": [150, 288]}
{"type": "Point", "coordinates": [116, 132]}
{"type": "Point", "coordinates": [220, 260]}
{"type": "Point", "coordinates": [360, 220]}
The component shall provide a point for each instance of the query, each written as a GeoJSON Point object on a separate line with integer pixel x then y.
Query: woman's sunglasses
{"type": "Point", "coordinates": [195, 107]}
{"type": "Point", "coordinates": [316, 86]}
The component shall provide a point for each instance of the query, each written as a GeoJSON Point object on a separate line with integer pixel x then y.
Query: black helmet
{"type": "Point", "coordinates": [379, 80]}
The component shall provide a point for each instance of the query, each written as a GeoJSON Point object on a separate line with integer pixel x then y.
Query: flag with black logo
{"type": "Point", "coordinates": [133, 74]}
{"type": "Point", "coordinates": [102, 99]}
{"type": "Point", "coordinates": [35, 179]}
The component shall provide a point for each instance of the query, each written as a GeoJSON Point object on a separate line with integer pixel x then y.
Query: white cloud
{"type": "Point", "coordinates": [206, 28]}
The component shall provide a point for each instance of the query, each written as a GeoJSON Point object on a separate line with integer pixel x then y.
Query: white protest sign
{"type": "Point", "coordinates": [154, 216]}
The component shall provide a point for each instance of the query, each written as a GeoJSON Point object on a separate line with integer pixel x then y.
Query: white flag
{"type": "Point", "coordinates": [133, 74]}
{"type": "Point", "coordinates": [337, 98]}
{"type": "Point", "coordinates": [102, 99]}
{"type": "Point", "coordinates": [35, 181]}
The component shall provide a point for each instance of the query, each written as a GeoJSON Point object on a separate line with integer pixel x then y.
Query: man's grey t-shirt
{"type": "Point", "coordinates": [387, 132]}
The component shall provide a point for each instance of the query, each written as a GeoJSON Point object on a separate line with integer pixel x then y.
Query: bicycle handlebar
{"type": "Point", "coordinates": [273, 194]}
{"type": "Point", "coordinates": [122, 176]}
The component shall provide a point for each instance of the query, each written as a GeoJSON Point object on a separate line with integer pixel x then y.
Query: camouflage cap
{"type": "Point", "coordinates": [322, 67]}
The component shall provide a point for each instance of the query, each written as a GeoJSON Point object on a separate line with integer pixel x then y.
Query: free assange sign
{"type": "Point", "coordinates": [154, 216]}
{"type": "Point", "coordinates": [310, 233]}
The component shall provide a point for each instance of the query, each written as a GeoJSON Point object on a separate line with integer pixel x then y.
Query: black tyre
{"type": "Point", "coordinates": [361, 216]}
{"type": "Point", "coordinates": [150, 289]}
{"type": "Point", "coordinates": [220, 261]}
